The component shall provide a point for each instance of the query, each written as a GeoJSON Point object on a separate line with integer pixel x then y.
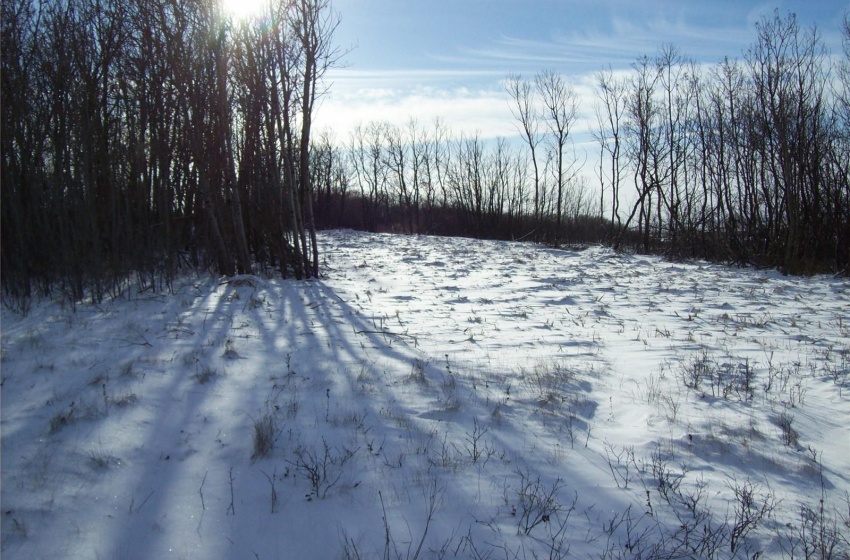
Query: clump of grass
{"type": "Point", "coordinates": [42, 364]}
{"type": "Point", "coordinates": [21, 528]}
{"type": "Point", "coordinates": [191, 358]}
{"type": "Point", "coordinates": [696, 369]}
{"type": "Point", "coordinates": [451, 404]}
{"type": "Point", "coordinates": [449, 384]}
{"type": "Point", "coordinates": [64, 417]}
{"type": "Point", "coordinates": [99, 380]}
{"type": "Point", "coordinates": [417, 373]}
{"type": "Point", "coordinates": [124, 400]}
{"type": "Point", "coordinates": [266, 433]}
{"type": "Point", "coordinates": [61, 419]}
{"type": "Point", "coordinates": [204, 375]}
{"type": "Point", "coordinates": [230, 349]}
{"type": "Point", "coordinates": [84, 410]}
{"type": "Point", "coordinates": [651, 391]}
{"type": "Point", "coordinates": [100, 459]}
{"type": "Point", "coordinates": [547, 383]}
{"type": "Point", "coordinates": [496, 414]}
{"type": "Point", "coordinates": [790, 436]}
{"type": "Point", "coordinates": [127, 369]}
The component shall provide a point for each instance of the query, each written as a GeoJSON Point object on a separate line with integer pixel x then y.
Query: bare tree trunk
{"type": "Point", "coordinates": [223, 113]}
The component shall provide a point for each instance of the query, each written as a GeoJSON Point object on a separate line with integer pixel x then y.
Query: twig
{"type": "Point", "coordinates": [201, 490]}
{"type": "Point", "coordinates": [133, 501]}
{"type": "Point", "coordinates": [131, 343]}
{"type": "Point", "coordinates": [433, 503]}
{"type": "Point", "coordinates": [384, 332]}
{"type": "Point", "coordinates": [526, 235]}
{"type": "Point", "coordinates": [271, 480]}
{"type": "Point", "coordinates": [387, 536]}
{"type": "Point", "coordinates": [231, 508]}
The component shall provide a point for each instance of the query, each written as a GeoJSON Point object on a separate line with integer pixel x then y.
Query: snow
{"type": "Point", "coordinates": [483, 399]}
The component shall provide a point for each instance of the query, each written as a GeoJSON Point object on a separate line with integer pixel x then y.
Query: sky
{"type": "Point", "coordinates": [448, 58]}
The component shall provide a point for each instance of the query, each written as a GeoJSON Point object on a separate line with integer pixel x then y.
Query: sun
{"type": "Point", "coordinates": [242, 9]}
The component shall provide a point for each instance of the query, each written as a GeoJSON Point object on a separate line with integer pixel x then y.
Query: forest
{"type": "Point", "coordinates": [143, 138]}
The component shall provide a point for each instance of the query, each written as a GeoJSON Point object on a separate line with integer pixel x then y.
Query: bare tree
{"type": "Point", "coordinates": [561, 108]}
{"type": "Point", "coordinates": [397, 154]}
{"type": "Point", "coordinates": [787, 68]}
{"type": "Point", "coordinates": [524, 110]}
{"type": "Point", "coordinates": [367, 157]}
{"type": "Point", "coordinates": [314, 24]}
{"type": "Point", "coordinates": [642, 145]}
{"type": "Point", "coordinates": [676, 102]}
{"type": "Point", "coordinates": [611, 95]}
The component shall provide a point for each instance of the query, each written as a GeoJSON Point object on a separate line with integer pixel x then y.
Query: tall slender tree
{"type": "Point", "coordinates": [561, 109]}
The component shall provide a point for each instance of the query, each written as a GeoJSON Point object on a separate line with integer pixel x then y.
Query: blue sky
{"type": "Point", "coordinates": [428, 58]}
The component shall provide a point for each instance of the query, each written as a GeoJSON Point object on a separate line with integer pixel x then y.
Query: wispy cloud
{"type": "Point", "coordinates": [349, 78]}
{"type": "Point", "coordinates": [586, 50]}
{"type": "Point", "coordinates": [465, 109]}
{"type": "Point", "coordinates": [418, 68]}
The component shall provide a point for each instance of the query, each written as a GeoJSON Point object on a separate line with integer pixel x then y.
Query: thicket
{"type": "Point", "coordinates": [745, 161]}
{"type": "Point", "coordinates": [141, 136]}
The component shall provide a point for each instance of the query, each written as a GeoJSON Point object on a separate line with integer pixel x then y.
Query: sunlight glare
{"type": "Point", "coordinates": [242, 9]}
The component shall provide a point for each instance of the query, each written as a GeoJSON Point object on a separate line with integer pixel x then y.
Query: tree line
{"type": "Point", "coordinates": [424, 178]}
{"type": "Point", "coordinates": [744, 161]}
{"type": "Point", "coordinates": [142, 136]}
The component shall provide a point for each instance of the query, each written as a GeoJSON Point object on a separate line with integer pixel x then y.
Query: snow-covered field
{"type": "Point", "coordinates": [435, 398]}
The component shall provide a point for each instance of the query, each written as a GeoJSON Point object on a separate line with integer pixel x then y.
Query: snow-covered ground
{"type": "Point", "coordinates": [434, 398]}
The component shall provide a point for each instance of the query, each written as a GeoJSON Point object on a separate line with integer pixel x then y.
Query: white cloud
{"type": "Point", "coordinates": [360, 99]}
